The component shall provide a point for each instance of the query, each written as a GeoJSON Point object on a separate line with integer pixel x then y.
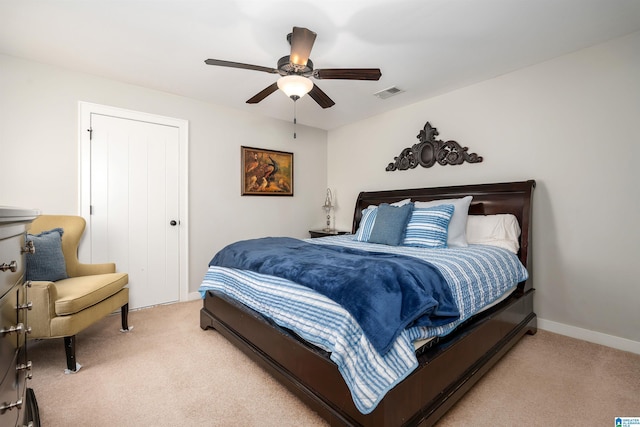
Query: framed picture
{"type": "Point", "coordinates": [266, 172]}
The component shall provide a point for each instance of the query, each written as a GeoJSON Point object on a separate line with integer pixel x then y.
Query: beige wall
{"type": "Point", "coordinates": [572, 125]}
{"type": "Point", "coordinates": [39, 134]}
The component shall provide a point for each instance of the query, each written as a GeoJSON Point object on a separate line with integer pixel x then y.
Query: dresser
{"type": "Point", "coordinates": [18, 406]}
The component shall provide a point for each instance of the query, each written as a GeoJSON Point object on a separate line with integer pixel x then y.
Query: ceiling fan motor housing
{"type": "Point", "coordinates": [285, 67]}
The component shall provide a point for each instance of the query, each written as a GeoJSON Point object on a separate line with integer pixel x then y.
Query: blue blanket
{"type": "Point", "coordinates": [384, 292]}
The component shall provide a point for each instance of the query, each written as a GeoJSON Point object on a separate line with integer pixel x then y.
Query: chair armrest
{"type": "Point", "coordinates": [43, 295]}
{"type": "Point", "coordinates": [93, 269]}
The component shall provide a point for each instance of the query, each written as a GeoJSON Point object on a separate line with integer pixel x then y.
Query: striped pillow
{"type": "Point", "coordinates": [366, 224]}
{"type": "Point", "coordinates": [428, 227]}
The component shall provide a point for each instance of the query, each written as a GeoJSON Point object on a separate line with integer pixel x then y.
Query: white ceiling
{"type": "Point", "coordinates": [423, 47]}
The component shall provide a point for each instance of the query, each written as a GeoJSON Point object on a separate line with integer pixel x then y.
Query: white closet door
{"type": "Point", "coordinates": [135, 205]}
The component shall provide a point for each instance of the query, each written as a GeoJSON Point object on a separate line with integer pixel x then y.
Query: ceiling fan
{"type": "Point", "coordinates": [296, 69]}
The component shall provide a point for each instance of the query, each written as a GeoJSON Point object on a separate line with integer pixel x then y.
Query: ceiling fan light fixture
{"type": "Point", "coordinates": [295, 86]}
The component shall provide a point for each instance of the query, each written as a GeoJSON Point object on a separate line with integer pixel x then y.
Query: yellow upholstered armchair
{"type": "Point", "coordinates": [65, 304]}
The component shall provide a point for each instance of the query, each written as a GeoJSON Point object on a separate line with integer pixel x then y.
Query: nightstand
{"type": "Point", "coordinates": [322, 233]}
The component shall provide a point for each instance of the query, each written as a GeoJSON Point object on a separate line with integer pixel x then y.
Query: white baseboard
{"type": "Point", "coordinates": [591, 336]}
{"type": "Point", "coordinates": [193, 296]}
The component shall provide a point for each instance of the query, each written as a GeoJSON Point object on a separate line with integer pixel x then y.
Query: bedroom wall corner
{"type": "Point", "coordinates": [568, 123]}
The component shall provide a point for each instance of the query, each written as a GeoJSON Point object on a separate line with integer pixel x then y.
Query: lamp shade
{"type": "Point", "coordinates": [295, 86]}
{"type": "Point", "coordinates": [328, 202]}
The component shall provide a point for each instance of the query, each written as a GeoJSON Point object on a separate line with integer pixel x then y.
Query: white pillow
{"type": "Point", "coordinates": [500, 230]}
{"type": "Point", "coordinates": [457, 236]}
{"type": "Point", "coordinates": [401, 202]}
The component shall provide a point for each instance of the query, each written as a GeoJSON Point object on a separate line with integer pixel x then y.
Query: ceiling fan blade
{"type": "Point", "coordinates": [302, 41]}
{"type": "Point", "coordinates": [348, 73]}
{"type": "Point", "coordinates": [222, 63]}
{"type": "Point", "coordinates": [263, 94]}
{"type": "Point", "coordinates": [320, 97]}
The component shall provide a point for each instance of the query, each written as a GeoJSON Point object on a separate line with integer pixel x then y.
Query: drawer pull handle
{"type": "Point", "coordinates": [23, 366]}
{"type": "Point", "coordinates": [18, 329]}
{"type": "Point", "coordinates": [10, 406]}
{"type": "Point", "coordinates": [29, 249]}
{"type": "Point", "coordinates": [13, 266]}
{"type": "Point", "coordinates": [27, 368]}
{"type": "Point", "coordinates": [27, 306]}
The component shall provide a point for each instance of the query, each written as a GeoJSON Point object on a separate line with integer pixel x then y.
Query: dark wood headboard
{"type": "Point", "coordinates": [488, 199]}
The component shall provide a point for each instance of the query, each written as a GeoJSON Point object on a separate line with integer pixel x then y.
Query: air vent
{"type": "Point", "coordinates": [387, 93]}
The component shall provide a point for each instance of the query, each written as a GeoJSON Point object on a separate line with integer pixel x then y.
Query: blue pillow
{"type": "Point", "coordinates": [366, 224]}
{"type": "Point", "coordinates": [390, 225]}
{"type": "Point", "coordinates": [428, 227]}
{"type": "Point", "coordinates": [47, 262]}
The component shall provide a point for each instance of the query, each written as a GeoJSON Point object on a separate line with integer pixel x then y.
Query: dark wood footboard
{"type": "Point", "coordinates": [445, 373]}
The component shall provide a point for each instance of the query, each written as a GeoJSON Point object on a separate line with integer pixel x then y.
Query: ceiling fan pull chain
{"type": "Point", "coordinates": [294, 119]}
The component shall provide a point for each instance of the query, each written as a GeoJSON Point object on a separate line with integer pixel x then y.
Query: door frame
{"type": "Point", "coordinates": [85, 109]}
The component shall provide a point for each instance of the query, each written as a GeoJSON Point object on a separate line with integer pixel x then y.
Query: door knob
{"type": "Point", "coordinates": [173, 223]}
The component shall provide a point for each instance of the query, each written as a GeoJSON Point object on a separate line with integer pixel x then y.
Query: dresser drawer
{"type": "Point", "coordinates": [12, 260]}
{"type": "Point", "coordinates": [9, 341]}
{"type": "Point", "coordinates": [10, 393]}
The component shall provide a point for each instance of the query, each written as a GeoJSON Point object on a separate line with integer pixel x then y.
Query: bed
{"type": "Point", "coordinates": [447, 366]}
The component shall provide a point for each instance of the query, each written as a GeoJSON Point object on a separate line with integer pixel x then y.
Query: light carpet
{"type": "Point", "coordinates": [169, 372]}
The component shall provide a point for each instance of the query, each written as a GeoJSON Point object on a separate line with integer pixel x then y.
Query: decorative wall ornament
{"type": "Point", "coordinates": [430, 150]}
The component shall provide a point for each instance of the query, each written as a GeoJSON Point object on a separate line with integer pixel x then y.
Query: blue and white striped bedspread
{"type": "Point", "coordinates": [477, 275]}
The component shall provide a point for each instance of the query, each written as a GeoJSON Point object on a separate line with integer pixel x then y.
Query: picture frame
{"type": "Point", "coordinates": [266, 172]}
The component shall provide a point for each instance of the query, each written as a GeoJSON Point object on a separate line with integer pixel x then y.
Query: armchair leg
{"type": "Point", "coordinates": [124, 314]}
{"type": "Point", "coordinates": [70, 350]}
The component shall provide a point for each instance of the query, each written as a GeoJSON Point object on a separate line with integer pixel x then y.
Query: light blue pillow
{"type": "Point", "coordinates": [428, 227]}
{"type": "Point", "coordinates": [366, 224]}
{"type": "Point", "coordinates": [390, 225]}
{"type": "Point", "coordinates": [47, 262]}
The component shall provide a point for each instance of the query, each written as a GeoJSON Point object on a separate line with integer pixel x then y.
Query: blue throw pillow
{"type": "Point", "coordinates": [47, 262]}
{"type": "Point", "coordinates": [390, 225]}
{"type": "Point", "coordinates": [428, 227]}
